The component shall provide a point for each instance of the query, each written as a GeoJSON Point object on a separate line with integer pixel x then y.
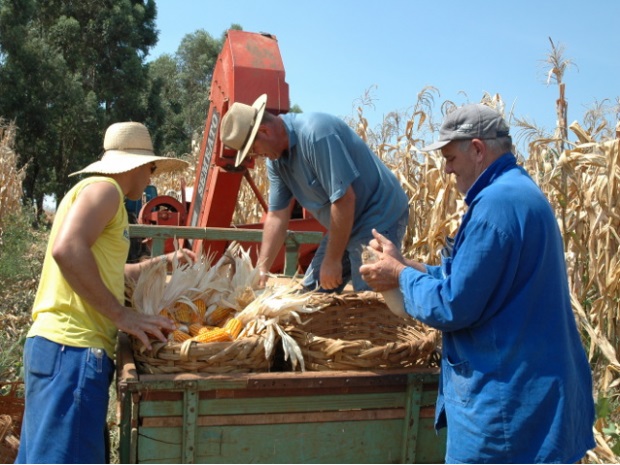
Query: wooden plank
{"type": "Point", "coordinates": [153, 396]}
{"type": "Point", "coordinates": [214, 234]}
{"type": "Point", "coordinates": [333, 442]}
{"type": "Point", "coordinates": [285, 380]}
{"type": "Point", "coordinates": [277, 405]}
{"type": "Point", "coordinates": [278, 418]}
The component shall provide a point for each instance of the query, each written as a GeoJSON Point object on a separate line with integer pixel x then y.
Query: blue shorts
{"type": "Point", "coordinates": [67, 396]}
{"type": "Point", "coordinates": [352, 258]}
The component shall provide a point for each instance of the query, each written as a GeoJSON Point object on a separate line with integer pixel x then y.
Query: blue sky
{"type": "Point", "coordinates": [335, 50]}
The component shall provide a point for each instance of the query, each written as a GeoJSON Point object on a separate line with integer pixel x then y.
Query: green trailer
{"type": "Point", "coordinates": [278, 417]}
{"type": "Point", "coordinates": [380, 416]}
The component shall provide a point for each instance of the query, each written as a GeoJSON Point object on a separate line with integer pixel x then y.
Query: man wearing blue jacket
{"type": "Point", "coordinates": [515, 383]}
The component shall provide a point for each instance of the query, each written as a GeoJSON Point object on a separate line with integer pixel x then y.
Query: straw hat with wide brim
{"type": "Point", "coordinates": [240, 125]}
{"type": "Point", "coordinates": [128, 146]}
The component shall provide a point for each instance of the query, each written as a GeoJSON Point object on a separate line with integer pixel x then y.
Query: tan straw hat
{"type": "Point", "coordinates": [128, 146]}
{"type": "Point", "coordinates": [240, 125]}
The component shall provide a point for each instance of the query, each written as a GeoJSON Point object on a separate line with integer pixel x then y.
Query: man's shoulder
{"type": "Point", "coordinates": [313, 121]}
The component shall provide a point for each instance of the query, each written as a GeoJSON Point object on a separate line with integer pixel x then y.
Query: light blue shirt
{"type": "Point", "coordinates": [325, 157]}
{"type": "Point", "coordinates": [515, 381]}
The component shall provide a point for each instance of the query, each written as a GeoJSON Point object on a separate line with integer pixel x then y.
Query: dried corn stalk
{"type": "Point", "coordinates": [272, 309]}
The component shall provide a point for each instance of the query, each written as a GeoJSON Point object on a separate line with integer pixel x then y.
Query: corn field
{"type": "Point", "coordinates": [10, 177]}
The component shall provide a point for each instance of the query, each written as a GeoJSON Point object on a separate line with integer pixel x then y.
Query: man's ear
{"type": "Point", "coordinates": [480, 147]}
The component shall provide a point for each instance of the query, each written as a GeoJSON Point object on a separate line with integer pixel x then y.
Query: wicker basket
{"type": "Point", "coordinates": [241, 356]}
{"type": "Point", "coordinates": [357, 331]}
{"type": "Point", "coordinates": [11, 415]}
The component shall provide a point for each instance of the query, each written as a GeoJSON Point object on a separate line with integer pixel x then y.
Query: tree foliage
{"type": "Point", "coordinates": [68, 70]}
{"type": "Point", "coordinates": [184, 80]}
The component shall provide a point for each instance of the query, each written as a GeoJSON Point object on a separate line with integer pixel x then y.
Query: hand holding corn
{"type": "Point", "coordinates": [141, 325]}
{"type": "Point", "coordinates": [383, 274]}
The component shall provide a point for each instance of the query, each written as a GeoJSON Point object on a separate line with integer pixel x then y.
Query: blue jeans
{"type": "Point", "coordinates": [67, 396]}
{"type": "Point", "coordinates": [352, 258]}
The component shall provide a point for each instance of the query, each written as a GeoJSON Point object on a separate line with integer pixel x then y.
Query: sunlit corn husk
{"type": "Point", "coordinates": [244, 278]}
{"type": "Point", "coordinates": [274, 306]}
{"type": "Point", "coordinates": [149, 289]}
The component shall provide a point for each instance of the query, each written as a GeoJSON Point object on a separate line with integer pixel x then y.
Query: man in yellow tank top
{"type": "Point", "coordinates": [79, 306]}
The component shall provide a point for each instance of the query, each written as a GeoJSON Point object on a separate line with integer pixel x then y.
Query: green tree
{"type": "Point", "coordinates": [67, 70]}
{"type": "Point", "coordinates": [184, 80]}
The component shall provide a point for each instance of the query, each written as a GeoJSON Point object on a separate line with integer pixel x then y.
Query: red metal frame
{"type": "Point", "coordinates": [248, 66]}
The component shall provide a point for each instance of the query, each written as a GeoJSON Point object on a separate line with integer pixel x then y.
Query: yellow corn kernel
{"type": "Point", "coordinates": [179, 336]}
{"type": "Point", "coordinates": [214, 335]}
{"type": "Point", "coordinates": [219, 315]}
{"type": "Point", "coordinates": [183, 313]}
{"type": "Point", "coordinates": [195, 328]}
{"type": "Point", "coordinates": [233, 326]}
{"type": "Point", "coordinates": [202, 308]}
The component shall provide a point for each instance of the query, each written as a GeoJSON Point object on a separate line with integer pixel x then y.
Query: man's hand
{"type": "Point", "coordinates": [263, 277]}
{"type": "Point", "coordinates": [331, 274]}
{"type": "Point", "coordinates": [383, 274]}
{"type": "Point", "coordinates": [141, 325]}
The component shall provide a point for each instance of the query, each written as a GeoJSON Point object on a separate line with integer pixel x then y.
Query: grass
{"type": "Point", "coordinates": [22, 249]}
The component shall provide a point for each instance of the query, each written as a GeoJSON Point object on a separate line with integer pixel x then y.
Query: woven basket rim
{"type": "Point", "coordinates": [326, 345]}
{"type": "Point", "coordinates": [241, 355]}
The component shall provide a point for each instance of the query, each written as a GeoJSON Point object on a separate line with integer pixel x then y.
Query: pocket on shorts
{"type": "Point", "coordinates": [42, 356]}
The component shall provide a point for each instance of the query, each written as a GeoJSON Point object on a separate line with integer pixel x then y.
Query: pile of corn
{"type": "Point", "coordinates": [219, 325]}
{"type": "Point", "coordinates": [221, 302]}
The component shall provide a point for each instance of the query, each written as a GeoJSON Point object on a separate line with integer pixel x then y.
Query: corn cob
{"type": "Point", "coordinates": [165, 312]}
{"type": "Point", "coordinates": [219, 315]}
{"type": "Point", "coordinates": [214, 335]}
{"type": "Point", "coordinates": [196, 328]}
{"type": "Point", "coordinates": [204, 329]}
{"type": "Point", "coordinates": [178, 336]}
{"type": "Point", "coordinates": [233, 326]}
{"type": "Point", "coordinates": [185, 314]}
{"type": "Point", "coordinates": [202, 308]}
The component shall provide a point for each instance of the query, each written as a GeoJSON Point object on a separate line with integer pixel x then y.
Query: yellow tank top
{"type": "Point", "coordinates": [61, 315]}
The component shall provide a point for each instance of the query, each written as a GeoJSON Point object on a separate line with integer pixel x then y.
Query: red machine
{"type": "Point", "coordinates": [249, 65]}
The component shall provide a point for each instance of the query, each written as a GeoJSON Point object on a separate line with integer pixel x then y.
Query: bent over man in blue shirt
{"type": "Point", "coordinates": [320, 161]}
{"type": "Point", "coordinates": [515, 383]}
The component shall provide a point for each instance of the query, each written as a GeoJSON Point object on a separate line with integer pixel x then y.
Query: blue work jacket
{"type": "Point", "coordinates": [516, 385]}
